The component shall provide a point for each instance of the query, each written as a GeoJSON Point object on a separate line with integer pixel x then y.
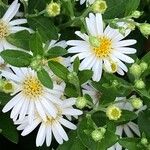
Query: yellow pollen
{"type": "Point", "coordinates": [114, 67]}
{"type": "Point", "coordinates": [32, 88]}
{"type": "Point", "coordinates": [4, 32]}
{"type": "Point", "coordinates": [104, 48]}
{"type": "Point", "coordinates": [115, 113]}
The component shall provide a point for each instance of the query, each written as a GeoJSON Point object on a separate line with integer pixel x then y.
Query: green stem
{"type": "Point", "coordinates": [75, 19]}
{"type": "Point", "coordinates": [35, 15]}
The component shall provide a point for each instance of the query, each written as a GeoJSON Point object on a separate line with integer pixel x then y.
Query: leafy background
{"type": "Point", "coordinates": [10, 137]}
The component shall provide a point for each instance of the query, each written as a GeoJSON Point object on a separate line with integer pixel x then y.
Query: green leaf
{"type": "Point", "coordinates": [8, 129]}
{"type": "Point", "coordinates": [16, 58]}
{"type": "Point", "coordinates": [130, 143]}
{"type": "Point", "coordinates": [36, 45]}
{"type": "Point", "coordinates": [4, 98]}
{"type": "Point", "coordinates": [84, 76]}
{"type": "Point", "coordinates": [70, 90]}
{"type": "Point", "coordinates": [59, 70]}
{"type": "Point", "coordinates": [131, 6]}
{"type": "Point", "coordinates": [45, 27]}
{"type": "Point", "coordinates": [56, 52]}
{"type": "Point", "coordinates": [76, 64]}
{"type": "Point", "coordinates": [74, 143]}
{"type": "Point", "coordinates": [144, 122]}
{"type": "Point", "coordinates": [127, 116]}
{"type": "Point", "coordinates": [37, 5]}
{"type": "Point", "coordinates": [20, 39]}
{"type": "Point", "coordinates": [45, 79]}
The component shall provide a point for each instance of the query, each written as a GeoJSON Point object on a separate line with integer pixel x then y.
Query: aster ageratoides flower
{"type": "Point", "coordinates": [102, 48]}
{"type": "Point", "coordinates": [9, 26]}
{"type": "Point", "coordinates": [30, 95]}
{"type": "Point", "coordinates": [53, 125]}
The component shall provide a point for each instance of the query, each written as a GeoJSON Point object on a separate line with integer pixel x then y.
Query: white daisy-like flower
{"type": "Point", "coordinates": [9, 26]}
{"type": "Point", "coordinates": [53, 125]}
{"type": "Point", "coordinates": [30, 95]}
{"type": "Point", "coordinates": [128, 129]}
{"type": "Point", "coordinates": [88, 2]}
{"type": "Point", "coordinates": [102, 48]}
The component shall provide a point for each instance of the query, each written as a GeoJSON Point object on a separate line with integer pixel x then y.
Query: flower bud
{"type": "Point", "coordinates": [94, 41]}
{"type": "Point", "coordinates": [135, 70]}
{"type": "Point", "coordinates": [113, 112]}
{"type": "Point", "coordinates": [144, 141]}
{"type": "Point", "coordinates": [139, 84]}
{"type": "Point", "coordinates": [36, 63]}
{"type": "Point", "coordinates": [136, 103]}
{"type": "Point", "coordinates": [81, 102]}
{"type": "Point", "coordinates": [99, 6]}
{"type": "Point", "coordinates": [8, 87]}
{"type": "Point", "coordinates": [136, 14]}
{"type": "Point", "coordinates": [143, 66]}
{"type": "Point", "coordinates": [145, 29]}
{"type": "Point", "coordinates": [53, 9]}
{"type": "Point", "coordinates": [97, 135]}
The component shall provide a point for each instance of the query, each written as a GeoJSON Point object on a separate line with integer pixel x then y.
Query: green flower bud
{"type": "Point", "coordinates": [73, 78]}
{"type": "Point", "coordinates": [97, 135]}
{"type": "Point", "coordinates": [113, 112]}
{"type": "Point", "coordinates": [99, 6]}
{"type": "Point", "coordinates": [81, 102]}
{"type": "Point", "coordinates": [143, 66]}
{"type": "Point", "coordinates": [139, 84]}
{"type": "Point", "coordinates": [53, 9]}
{"type": "Point", "coordinates": [136, 103]}
{"type": "Point", "coordinates": [37, 63]}
{"type": "Point", "coordinates": [136, 70]}
{"type": "Point", "coordinates": [144, 141]}
{"type": "Point", "coordinates": [136, 14]}
{"type": "Point", "coordinates": [94, 41]}
{"type": "Point", "coordinates": [8, 87]}
{"type": "Point", "coordinates": [103, 130]}
{"type": "Point", "coordinates": [145, 29]}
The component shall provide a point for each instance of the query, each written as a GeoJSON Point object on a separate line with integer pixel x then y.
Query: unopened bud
{"type": "Point", "coordinates": [136, 14]}
{"type": "Point", "coordinates": [139, 84]}
{"type": "Point", "coordinates": [136, 70]}
{"type": "Point", "coordinates": [137, 103]}
{"type": "Point", "coordinates": [97, 135]}
{"type": "Point", "coordinates": [81, 102]}
{"type": "Point", "coordinates": [99, 6]}
{"type": "Point", "coordinates": [145, 29]}
{"type": "Point", "coordinates": [143, 66]}
{"type": "Point", "coordinates": [53, 9]}
{"type": "Point", "coordinates": [113, 112]}
{"type": "Point", "coordinates": [144, 141]}
{"type": "Point", "coordinates": [94, 41]}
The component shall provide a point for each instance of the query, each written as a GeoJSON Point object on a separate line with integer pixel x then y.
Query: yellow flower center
{"type": "Point", "coordinates": [4, 32]}
{"type": "Point", "coordinates": [104, 48]}
{"type": "Point", "coordinates": [32, 88]}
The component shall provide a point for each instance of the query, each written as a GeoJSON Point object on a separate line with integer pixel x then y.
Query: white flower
{"type": "Point", "coordinates": [88, 2]}
{"type": "Point", "coordinates": [51, 125]}
{"type": "Point", "coordinates": [128, 129]}
{"type": "Point", "coordinates": [102, 48]}
{"type": "Point", "coordinates": [31, 96]}
{"type": "Point", "coordinates": [9, 26]}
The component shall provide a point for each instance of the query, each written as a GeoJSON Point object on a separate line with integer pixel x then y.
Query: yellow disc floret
{"type": "Point", "coordinates": [32, 87]}
{"type": "Point", "coordinates": [104, 48]}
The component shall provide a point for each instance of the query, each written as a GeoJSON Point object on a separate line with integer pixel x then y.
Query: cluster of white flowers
{"type": "Point", "coordinates": [33, 104]}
